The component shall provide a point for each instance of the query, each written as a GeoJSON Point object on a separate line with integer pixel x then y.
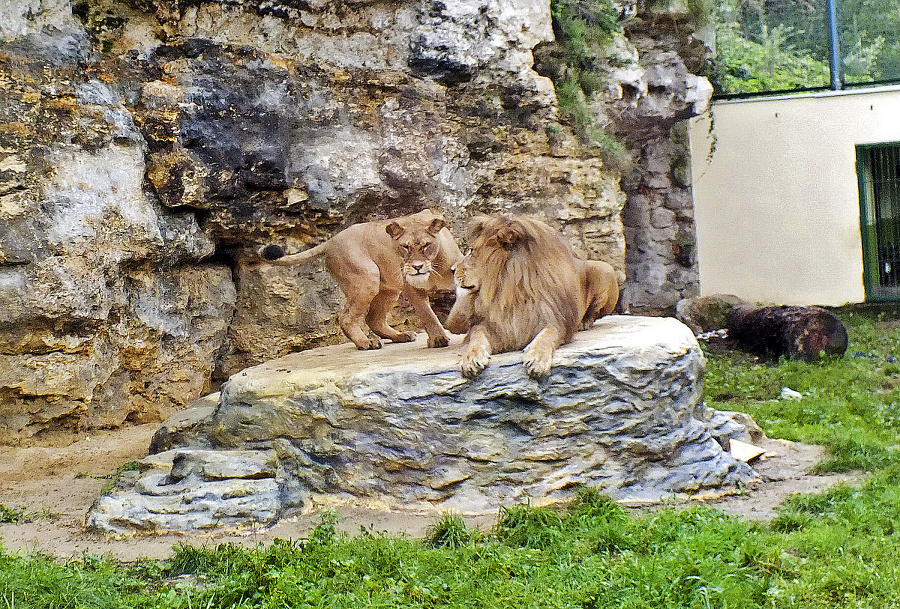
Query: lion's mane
{"type": "Point", "coordinates": [528, 280]}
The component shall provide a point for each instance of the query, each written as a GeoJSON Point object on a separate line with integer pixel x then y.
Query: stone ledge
{"type": "Point", "coordinates": [400, 428]}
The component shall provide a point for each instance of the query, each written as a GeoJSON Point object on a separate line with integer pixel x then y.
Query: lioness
{"type": "Point", "coordinates": [374, 262]}
{"type": "Point", "coordinates": [522, 286]}
{"type": "Point", "coordinates": [600, 290]}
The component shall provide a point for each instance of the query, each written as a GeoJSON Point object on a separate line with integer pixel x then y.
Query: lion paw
{"type": "Point", "coordinates": [404, 337]}
{"type": "Point", "coordinates": [438, 341]}
{"type": "Point", "coordinates": [537, 363]}
{"type": "Point", "coordinates": [473, 363]}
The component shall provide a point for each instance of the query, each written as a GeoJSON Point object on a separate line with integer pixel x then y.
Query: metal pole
{"type": "Point", "coordinates": [834, 62]}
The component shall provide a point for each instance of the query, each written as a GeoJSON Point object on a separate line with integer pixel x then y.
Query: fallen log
{"type": "Point", "coordinates": [803, 333]}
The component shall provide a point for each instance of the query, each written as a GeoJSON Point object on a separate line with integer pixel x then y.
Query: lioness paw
{"type": "Point", "coordinates": [404, 337]}
{"type": "Point", "coordinates": [372, 342]}
{"type": "Point", "coordinates": [438, 341]}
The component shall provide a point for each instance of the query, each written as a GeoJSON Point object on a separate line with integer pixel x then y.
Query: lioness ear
{"type": "Point", "coordinates": [436, 225]}
{"type": "Point", "coordinates": [394, 230]}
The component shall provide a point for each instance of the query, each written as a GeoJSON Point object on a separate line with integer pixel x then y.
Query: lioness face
{"type": "Point", "coordinates": [418, 252]}
{"type": "Point", "coordinates": [418, 249]}
{"type": "Point", "coordinates": [461, 316]}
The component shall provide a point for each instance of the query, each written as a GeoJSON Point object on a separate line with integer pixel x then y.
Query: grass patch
{"type": "Point", "coordinates": [850, 404]}
{"type": "Point", "coordinates": [831, 550]}
{"type": "Point", "coordinates": [10, 515]}
{"type": "Point", "coordinates": [449, 531]}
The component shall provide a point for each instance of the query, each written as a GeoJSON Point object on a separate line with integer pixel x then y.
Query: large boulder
{"type": "Point", "coordinates": [707, 313]}
{"type": "Point", "coordinates": [400, 429]}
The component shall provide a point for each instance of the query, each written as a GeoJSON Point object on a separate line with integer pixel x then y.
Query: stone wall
{"type": "Point", "coordinates": [658, 220]}
{"type": "Point", "coordinates": [652, 90]}
{"type": "Point", "coordinates": [148, 147]}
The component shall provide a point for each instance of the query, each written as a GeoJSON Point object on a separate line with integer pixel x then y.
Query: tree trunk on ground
{"type": "Point", "coordinates": [802, 333]}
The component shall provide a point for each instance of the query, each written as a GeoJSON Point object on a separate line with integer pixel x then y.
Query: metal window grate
{"type": "Point", "coordinates": [880, 196]}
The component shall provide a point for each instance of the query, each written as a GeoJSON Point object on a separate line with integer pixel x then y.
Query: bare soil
{"type": "Point", "coordinates": [56, 482]}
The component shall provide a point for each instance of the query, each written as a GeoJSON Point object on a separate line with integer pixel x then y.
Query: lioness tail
{"type": "Point", "coordinates": [274, 254]}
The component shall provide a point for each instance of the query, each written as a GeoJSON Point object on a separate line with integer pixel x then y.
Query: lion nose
{"type": "Point", "coordinates": [418, 266]}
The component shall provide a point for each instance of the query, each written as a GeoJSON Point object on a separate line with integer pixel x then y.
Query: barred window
{"type": "Point", "coordinates": [879, 183]}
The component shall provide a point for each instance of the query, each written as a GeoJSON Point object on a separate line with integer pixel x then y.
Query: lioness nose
{"type": "Point", "coordinates": [418, 265]}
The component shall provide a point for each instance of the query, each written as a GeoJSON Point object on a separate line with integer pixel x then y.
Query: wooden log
{"type": "Point", "coordinates": [803, 333]}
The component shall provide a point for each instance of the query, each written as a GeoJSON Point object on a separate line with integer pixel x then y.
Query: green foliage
{"type": "Point", "coordinates": [527, 527]}
{"type": "Point", "coordinates": [583, 27]}
{"type": "Point", "coordinates": [583, 30]}
{"type": "Point", "coordinates": [325, 532]}
{"type": "Point", "coordinates": [11, 515]}
{"type": "Point", "coordinates": [746, 66]}
{"type": "Point", "coordinates": [449, 532]}
{"type": "Point", "coordinates": [766, 46]}
{"type": "Point", "coordinates": [38, 581]}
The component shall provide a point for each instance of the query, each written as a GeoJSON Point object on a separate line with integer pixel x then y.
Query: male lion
{"type": "Point", "coordinates": [374, 262]}
{"type": "Point", "coordinates": [522, 286]}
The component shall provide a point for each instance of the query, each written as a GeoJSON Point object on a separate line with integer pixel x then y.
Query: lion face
{"type": "Point", "coordinates": [418, 249]}
{"type": "Point", "coordinates": [462, 314]}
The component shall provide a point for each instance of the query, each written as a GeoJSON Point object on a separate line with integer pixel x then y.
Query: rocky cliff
{"type": "Point", "coordinates": [148, 146]}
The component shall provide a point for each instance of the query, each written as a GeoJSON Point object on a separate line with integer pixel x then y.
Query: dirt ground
{"type": "Point", "coordinates": [56, 484]}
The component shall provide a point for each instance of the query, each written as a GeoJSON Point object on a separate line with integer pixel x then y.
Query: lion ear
{"type": "Point", "coordinates": [476, 225]}
{"type": "Point", "coordinates": [507, 237]}
{"type": "Point", "coordinates": [394, 230]}
{"type": "Point", "coordinates": [436, 225]}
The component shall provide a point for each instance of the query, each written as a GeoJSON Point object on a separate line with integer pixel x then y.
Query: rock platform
{"type": "Point", "coordinates": [401, 429]}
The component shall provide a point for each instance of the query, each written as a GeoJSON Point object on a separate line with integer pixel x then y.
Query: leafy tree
{"type": "Point", "coordinates": [783, 44]}
{"type": "Point", "coordinates": [747, 66]}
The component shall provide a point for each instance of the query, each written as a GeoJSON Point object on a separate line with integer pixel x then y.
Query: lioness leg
{"type": "Point", "coordinates": [539, 352]}
{"type": "Point", "coordinates": [351, 320]}
{"type": "Point", "coordinates": [377, 318]}
{"type": "Point", "coordinates": [360, 285]}
{"type": "Point", "coordinates": [419, 300]}
{"type": "Point", "coordinates": [478, 353]}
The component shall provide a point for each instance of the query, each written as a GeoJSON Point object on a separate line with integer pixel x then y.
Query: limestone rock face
{"type": "Point", "coordinates": [149, 147]}
{"type": "Point", "coordinates": [108, 312]}
{"type": "Point", "coordinates": [401, 428]}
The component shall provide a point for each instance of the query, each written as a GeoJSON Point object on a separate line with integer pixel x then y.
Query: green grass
{"type": "Point", "coordinates": [835, 549]}
{"type": "Point", "coordinates": [10, 515]}
{"type": "Point", "coordinates": [850, 404]}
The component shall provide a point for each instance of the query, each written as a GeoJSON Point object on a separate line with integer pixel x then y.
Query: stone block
{"type": "Point", "coordinates": [401, 429]}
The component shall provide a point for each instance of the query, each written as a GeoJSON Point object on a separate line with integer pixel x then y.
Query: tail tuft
{"type": "Point", "coordinates": [272, 252]}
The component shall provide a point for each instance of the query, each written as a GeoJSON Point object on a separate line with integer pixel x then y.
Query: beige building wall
{"type": "Point", "coordinates": [776, 195]}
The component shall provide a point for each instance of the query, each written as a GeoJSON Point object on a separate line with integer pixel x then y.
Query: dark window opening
{"type": "Point", "coordinates": [879, 185]}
